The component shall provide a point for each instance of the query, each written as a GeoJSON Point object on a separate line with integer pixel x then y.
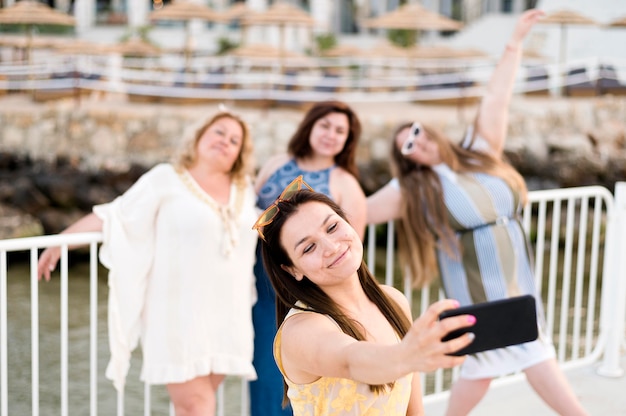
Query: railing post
{"type": "Point", "coordinates": [4, 395]}
{"type": "Point", "coordinates": [616, 300]}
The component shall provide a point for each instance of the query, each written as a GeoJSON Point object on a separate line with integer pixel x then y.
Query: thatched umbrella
{"type": "Point", "coordinates": [620, 22]}
{"type": "Point", "coordinates": [185, 11]}
{"type": "Point", "coordinates": [31, 13]}
{"type": "Point", "coordinates": [135, 47]}
{"type": "Point", "coordinates": [564, 18]}
{"type": "Point", "coordinates": [413, 17]}
{"type": "Point", "coordinates": [265, 54]}
{"type": "Point", "coordinates": [83, 47]}
{"type": "Point", "coordinates": [445, 52]}
{"type": "Point", "coordinates": [386, 50]}
{"type": "Point", "coordinates": [280, 14]}
{"type": "Point", "coordinates": [341, 51]}
{"type": "Point", "coordinates": [235, 12]}
{"type": "Point", "coordinates": [23, 43]}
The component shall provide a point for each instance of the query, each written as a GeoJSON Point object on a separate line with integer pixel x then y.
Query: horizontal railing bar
{"type": "Point", "coordinates": [21, 244]}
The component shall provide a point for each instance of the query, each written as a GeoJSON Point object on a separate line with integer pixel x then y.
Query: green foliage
{"type": "Point", "coordinates": [37, 29]}
{"type": "Point", "coordinates": [224, 45]}
{"type": "Point", "coordinates": [325, 41]}
{"type": "Point", "coordinates": [141, 32]}
{"type": "Point", "coordinates": [402, 37]}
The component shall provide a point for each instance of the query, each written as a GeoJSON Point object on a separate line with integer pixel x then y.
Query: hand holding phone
{"type": "Point", "coordinates": [499, 323]}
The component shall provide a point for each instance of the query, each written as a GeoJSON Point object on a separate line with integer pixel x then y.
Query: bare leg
{"type": "Point", "coordinates": [547, 379]}
{"type": "Point", "coordinates": [195, 397]}
{"type": "Point", "coordinates": [465, 395]}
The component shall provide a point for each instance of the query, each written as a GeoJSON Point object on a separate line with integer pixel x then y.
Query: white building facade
{"type": "Point", "coordinates": [333, 16]}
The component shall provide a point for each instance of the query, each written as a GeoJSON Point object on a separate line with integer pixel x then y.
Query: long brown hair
{"type": "Point", "coordinates": [423, 226]}
{"type": "Point", "coordinates": [243, 165]}
{"type": "Point", "coordinates": [289, 290]}
{"type": "Point", "coordinates": [300, 147]}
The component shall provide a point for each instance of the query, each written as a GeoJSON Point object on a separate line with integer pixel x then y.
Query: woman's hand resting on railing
{"type": "Point", "coordinates": [50, 256]}
{"type": "Point", "coordinates": [47, 262]}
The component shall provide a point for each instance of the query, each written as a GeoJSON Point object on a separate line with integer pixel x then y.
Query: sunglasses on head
{"type": "Point", "coordinates": [408, 146]}
{"type": "Point", "coordinates": [270, 213]}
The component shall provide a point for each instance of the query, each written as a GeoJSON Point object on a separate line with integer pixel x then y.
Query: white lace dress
{"type": "Point", "coordinates": [180, 280]}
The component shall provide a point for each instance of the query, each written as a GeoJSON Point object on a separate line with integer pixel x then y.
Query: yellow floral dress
{"type": "Point", "coordinates": [329, 396]}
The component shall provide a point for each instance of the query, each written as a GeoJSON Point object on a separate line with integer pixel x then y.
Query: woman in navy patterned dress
{"type": "Point", "coordinates": [458, 207]}
{"type": "Point", "coordinates": [322, 150]}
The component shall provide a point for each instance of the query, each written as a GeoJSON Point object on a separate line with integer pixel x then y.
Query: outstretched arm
{"type": "Point", "coordinates": [384, 205]}
{"type": "Point", "coordinates": [493, 114]}
{"type": "Point", "coordinates": [312, 347]}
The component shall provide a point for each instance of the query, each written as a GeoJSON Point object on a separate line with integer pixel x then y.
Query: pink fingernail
{"type": "Point", "coordinates": [456, 303]}
{"type": "Point", "coordinates": [471, 319]}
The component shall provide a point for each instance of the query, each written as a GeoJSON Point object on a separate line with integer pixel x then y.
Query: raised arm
{"type": "Point", "coordinates": [313, 347]}
{"type": "Point", "coordinates": [384, 205]}
{"type": "Point", "coordinates": [493, 113]}
{"type": "Point", "coordinates": [50, 256]}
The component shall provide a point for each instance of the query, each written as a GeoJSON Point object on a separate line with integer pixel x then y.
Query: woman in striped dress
{"type": "Point", "coordinates": [458, 207]}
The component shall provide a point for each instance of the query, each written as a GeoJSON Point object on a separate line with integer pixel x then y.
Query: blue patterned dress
{"type": "Point", "coordinates": [266, 392]}
{"type": "Point", "coordinates": [494, 264]}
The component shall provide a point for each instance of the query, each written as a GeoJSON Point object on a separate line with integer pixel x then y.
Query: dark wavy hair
{"type": "Point", "coordinates": [289, 290]}
{"type": "Point", "coordinates": [300, 147]}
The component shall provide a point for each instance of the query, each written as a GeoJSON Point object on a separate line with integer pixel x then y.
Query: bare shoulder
{"type": "Point", "coordinates": [344, 182]}
{"type": "Point", "coordinates": [307, 325]}
{"type": "Point", "coordinates": [270, 167]}
{"type": "Point", "coordinates": [341, 175]}
{"type": "Point", "coordinates": [398, 297]}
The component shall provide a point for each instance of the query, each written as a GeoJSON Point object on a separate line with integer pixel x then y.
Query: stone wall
{"type": "Point", "coordinates": [98, 147]}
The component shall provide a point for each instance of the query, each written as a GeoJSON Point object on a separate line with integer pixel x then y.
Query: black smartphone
{"type": "Point", "coordinates": [499, 323]}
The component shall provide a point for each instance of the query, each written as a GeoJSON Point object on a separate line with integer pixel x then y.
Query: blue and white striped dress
{"type": "Point", "coordinates": [494, 263]}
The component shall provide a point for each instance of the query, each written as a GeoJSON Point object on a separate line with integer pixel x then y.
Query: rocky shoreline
{"type": "Point", "coordinates": [42, 197]}
{"type": "Point", "coordinates": [58, 160]}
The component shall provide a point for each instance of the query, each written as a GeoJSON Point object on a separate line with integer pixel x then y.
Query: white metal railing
{"type": "Point", "coordinates": [577, 258]}
{"type": "Point", "coordinates": [576, 234]}
{"type": "Point", "coordinates": [350, 79]}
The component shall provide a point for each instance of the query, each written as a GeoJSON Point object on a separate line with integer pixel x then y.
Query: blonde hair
{"type": "Point", "coordinates": [244, 164]}
{"type": "Point", "coordinates": [423, 226]}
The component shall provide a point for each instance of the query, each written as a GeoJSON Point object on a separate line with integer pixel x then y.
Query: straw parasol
{"type": "Point", "coordinates": [564, 18]}
{"type": "Point", "coordinates": [235, 12]}
{"type": "Point", "coordinates": [185, 11]}
{"type": "Point", "coordinates": [83, 47]}
{"type": "Point", "coordinates": [341, 51]}
{"type": "Point", "coordinates": [31, 13]}
{"type": "Point", "coordinates": [265, 54]}
{"type": "Point", "coordinates": [280, 14]}
{"type": "Point", "coordinates": [445, 52]}
{"type": "Point", "coordinates": [386, 50]}
{"type": "Point", "coordinates": [21, 41]}
{"type": "Point", "coordinates": [620, 22]}
{"type": "Point", "coordinates": [135, 47]}
{"type": "Point", "coordinates": [413, 17]}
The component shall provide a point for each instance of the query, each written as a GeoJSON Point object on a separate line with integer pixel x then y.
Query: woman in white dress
{"type": "Point", "coordinates": [180, 254]}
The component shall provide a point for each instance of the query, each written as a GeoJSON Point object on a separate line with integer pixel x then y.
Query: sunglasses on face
{"type": "Point", "coordinates": [270, 213]}
{"type": "Point", "coordinates": [408, 146]}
